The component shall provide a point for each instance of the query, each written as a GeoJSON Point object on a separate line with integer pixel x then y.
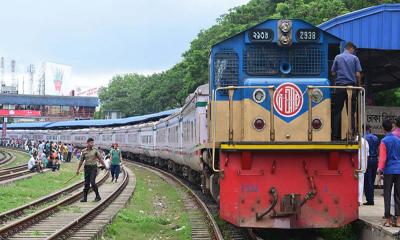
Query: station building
{"type": "Point", "coordinates": [29, 108]}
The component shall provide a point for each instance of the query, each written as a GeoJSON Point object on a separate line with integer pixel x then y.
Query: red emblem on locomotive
{"type": "Point", "coordinates": [288, 99]}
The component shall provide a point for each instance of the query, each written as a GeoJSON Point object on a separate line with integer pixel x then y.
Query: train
{"type": "Point", "coordinates": [257, 137]}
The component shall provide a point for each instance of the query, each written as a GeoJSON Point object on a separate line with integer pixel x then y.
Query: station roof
{"type": "Point", "coordinates": [32, 125]}
{"type": "Point", "coordinates": [48, 100]}
{"type": "Point", "coordinates": [93, 123]}
{"type": "Point", "coordinates": [376, 33]}
{"type": "Point", "coordinates": [376, 27]}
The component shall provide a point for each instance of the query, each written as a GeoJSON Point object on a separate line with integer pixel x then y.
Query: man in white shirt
{"type": "Point", "coordinates": [34, 163]}
{"type": "Point", "coordinates": [363, 154]}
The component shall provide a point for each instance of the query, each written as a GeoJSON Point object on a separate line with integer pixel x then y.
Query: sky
{"type": "Point", "coordinates": [101, 38]}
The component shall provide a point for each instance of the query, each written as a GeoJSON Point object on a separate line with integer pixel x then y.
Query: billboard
{"type": "Point", "coordinates": [90, 92]}
{"type": "Point", "coordinates": [19, 113]}
{"type": "Point", "coordinates": [56, 76]}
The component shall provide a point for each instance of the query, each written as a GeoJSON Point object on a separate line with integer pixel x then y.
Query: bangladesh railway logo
{"type": "Point", "coordinates": [288, 99]}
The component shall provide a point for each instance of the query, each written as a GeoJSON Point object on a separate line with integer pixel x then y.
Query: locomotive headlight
{"type": "Point", "coordinates": [285, 26]}
{"type": "Point", "coordinates": [285, 40]}
{"type": "Point", "coordinates": [259, 124]}
{"type": "Point", "coordinates": [316, 95]}
{"type": "Point", "coordinates": [259, 95]}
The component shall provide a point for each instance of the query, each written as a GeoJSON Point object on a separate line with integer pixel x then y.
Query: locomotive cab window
{"type": "Point", "coordinates": [226, 69]}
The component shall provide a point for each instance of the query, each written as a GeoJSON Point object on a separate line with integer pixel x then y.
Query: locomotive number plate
{"type": "Point", "coordinates": [307, 35]}
{"type": "Point", "coordinates": [261, 35]}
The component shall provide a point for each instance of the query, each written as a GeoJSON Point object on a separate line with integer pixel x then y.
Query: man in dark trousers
{"type": "Point", "coordinates": [372, 166]}
{"type": "Point", "coordinates": [389, 166]}
{"type": "Point", "coordinates": [347, 69]}
{"type": "Point", "coordinates": [90, 156]}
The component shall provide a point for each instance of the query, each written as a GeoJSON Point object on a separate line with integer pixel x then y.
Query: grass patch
{"type": "Point", "coordinates": [347, 232]}
{"type": "Point", "coordinates": [27, 190]}
{"type": "Point", "coordinates": [20, 158]}
{"type": "Point", "coordinates": [154, 212]}
{"type": "Point", "coordinates": [73, 209]}
{"type": "Point", "coordinates": [37, 233]}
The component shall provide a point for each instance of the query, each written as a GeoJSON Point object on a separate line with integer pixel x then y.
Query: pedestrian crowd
{"type": "Point", "coordinates": [382, 160]}
{"type": "Point", "coordinates": [49, 154]}
{"type": "Point", "coordinates": [44, 154]}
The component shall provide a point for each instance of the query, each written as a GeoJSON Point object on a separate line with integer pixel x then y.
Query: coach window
{"type": "Point", "coordinates": [191, 132]}
{"type": "Point", "coordinates": [176, 134]}
{"type": "Point", "coordinates": [195, 130]}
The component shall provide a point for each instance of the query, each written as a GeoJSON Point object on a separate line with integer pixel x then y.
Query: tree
{"type": "Point", "coordinates": [135, 94]}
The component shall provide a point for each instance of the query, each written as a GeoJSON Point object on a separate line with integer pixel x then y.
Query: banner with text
{"type": "Point", "coordinates": [376, 114]}
{"type": "Point", "coordinates": [19, 113]}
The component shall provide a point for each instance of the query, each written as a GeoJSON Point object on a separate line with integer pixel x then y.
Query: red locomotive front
{"type": "Point", "coordinates": [284, 186]}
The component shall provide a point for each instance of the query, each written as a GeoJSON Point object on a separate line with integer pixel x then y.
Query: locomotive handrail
{"type": "Point", "coordinates": [360, 112]}
{"type": "Point", "coordinates": [231, 89]}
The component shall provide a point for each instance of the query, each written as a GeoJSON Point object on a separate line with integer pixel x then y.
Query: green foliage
{"type": "Point", "coordinates": [99, 114]}
{"type": "Point", "coordinates": [306, 11]}
{"type": "Point", "coordinates": [389, 98]}
{"type": "Point", "coordinates": [135, 94]}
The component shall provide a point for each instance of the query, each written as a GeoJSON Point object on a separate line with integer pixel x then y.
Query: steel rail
{"type": "Point", "coordinates": [12, 170]}
{"type": "Point", "coordinates": [73, 226]}
{"type": "Point", "coordinates": [17, 226]}
{"type": "Point", "coordinates": [15, 174]}
{"type": "Point", "coordinates": [217, 235]}
{"type": "Point", "coordinates": [17, 212]}
{"type": "Point", "coordinates": [8, 157]}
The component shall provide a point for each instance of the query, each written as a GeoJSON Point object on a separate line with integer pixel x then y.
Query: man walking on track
{"type": "Point", "coordinates": [90, 156]}
{"type": "Point", "coordinates": [116, 161]}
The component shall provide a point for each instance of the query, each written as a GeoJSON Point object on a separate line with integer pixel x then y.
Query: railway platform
{"type": "Point", "coordinates": [371, 218]}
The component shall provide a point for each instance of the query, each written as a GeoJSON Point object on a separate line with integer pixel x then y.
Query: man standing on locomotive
{"type": "Point", "coordinates": [90, 156]}
{"type": "Point", "coordinates": [347, 69]}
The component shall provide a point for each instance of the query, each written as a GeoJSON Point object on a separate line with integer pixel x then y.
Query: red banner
{"type": "Point", "coordinates": [19, 113]}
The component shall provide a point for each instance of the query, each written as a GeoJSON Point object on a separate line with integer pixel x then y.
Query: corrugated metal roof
{"type": "Point", "coordinates": [49, 100]}
{"type": "Point", "coordinates": [111, 122]}
{"type": "Point", "coordinates": [376, 27]}
{"type": "Point", "coordinates": [93, 123]}
{"type": "Point", "coordinates": [33, 125]}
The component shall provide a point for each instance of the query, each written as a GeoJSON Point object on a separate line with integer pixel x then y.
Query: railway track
{"type": "Point", "coordinates": [204, 226]}
{"type": "Point", "coordinates": [6, 157]}
{"type": "Point", "coordinates": [18, 171]}
{"type": "Point", "coordinates": [10, 170]}
{"type": "Point", "coordinates": [62, 219]}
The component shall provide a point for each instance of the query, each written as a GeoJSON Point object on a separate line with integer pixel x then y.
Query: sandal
{"type": "Point", "coordinates": [387, 224]}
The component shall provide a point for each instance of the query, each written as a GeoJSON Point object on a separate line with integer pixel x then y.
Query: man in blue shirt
{"type": "Point", "coordinates": [372, 166]}
{"type": "Point", "coordinates": [389, 166]}
{"type": "Point", "coordinates": [347, 69]}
